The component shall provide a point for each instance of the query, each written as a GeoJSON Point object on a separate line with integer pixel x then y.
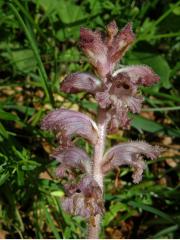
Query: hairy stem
{"type": "Point", "coordinates": [94, 227]}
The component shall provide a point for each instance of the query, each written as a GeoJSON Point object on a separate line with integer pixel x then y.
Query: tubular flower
{"type": "Point", "coordinates": [67, 123]}
{"type": "Point", "coordinates": [130, 154]}
{"type": "Point", "coordinates": [72, 158]}
{"type": "Point", "coordinates": [116, 90]}
{"type": "Point", "coordinates": [105, 51]}
{"type": "Point", "coordinates": [83, 198]}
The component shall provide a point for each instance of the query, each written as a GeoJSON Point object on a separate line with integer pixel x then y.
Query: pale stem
{"type": "Point", "coordinates": [94, 229]}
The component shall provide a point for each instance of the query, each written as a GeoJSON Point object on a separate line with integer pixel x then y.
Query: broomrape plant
{"type": "Point", "coordinates": [116, 91]}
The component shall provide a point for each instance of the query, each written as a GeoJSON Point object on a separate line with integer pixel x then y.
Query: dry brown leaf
{"type": "Point", "coordinates": [3, 234]}
{"type": "Point", "coordinates": [47, 147]}
{"type": "Point", "coordinates": [167, 140]}
{"type": "Point", "coordinates": [148, 115]}
{"type": "Point", "coordinates": [45, 175]}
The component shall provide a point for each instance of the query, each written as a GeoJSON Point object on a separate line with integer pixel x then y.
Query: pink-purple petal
{"type": "Point", "coordinates": [67, 123]}
{"type": "Point", "coordinates": [130, 154]}
{"type": "Point", "coordinates": [95, 49]}
{"type": "Point", "coordinates": [83, 198]}
{"type": "Point", "coordinates": [139, 74]}
{"type": "Point", "coordinates": [112, 30]}
{"type": "Point", "coordinates": [73, 158]}
{"type": "Point", "coordinates": [103, 97]}
{"type": "Point", "coordinates": [120, 44]}
{"type": "Point", "coordinates": [78, 82]}
{"type": "Point", "coordinates": [134, 103]}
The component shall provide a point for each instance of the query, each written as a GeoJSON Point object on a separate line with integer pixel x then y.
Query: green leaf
{"type": "Point", "coordinates": [95, 6]}
{"type": "Point", "coordinates": [8, 116]}
{"type": "Point", "coordinates": [111, 214]}
{"type": "Point", "coordinates": [150, 209]}
{"type": "Point", "coordinates": [24, 60]}
{"type": "Point", "coordinates": [4, 177]}
{"type": "Point", "coordinates": [69, 12]}
{"type": "Point", "coordinates": [20, 177]}
{"type": "Point", "coordinates": [32, 41]}
{"type": "Point", "coordinates": [51, 224]}
{"type": "Point", "coordinates": [142, 123]}
{"type": "Point", "coordinates": [30, 165]}
{"type": "Point", "coordinates": [147, 30]}
{"type": "Point", "coordinates": [176, 9]}
{"type": "Point", "coordinates": [29, 111]}
{"type": "Point", "coordinates": [173, 132]}
{"type": "Point", "coordinates": [59, 193]}
{"type": "Point", "coordinates": [164, 232]}
{"type": "Point", "coordinates": [71, 54]}
{"type": "Point", "coordinates": [36, 118]}
{"type": "Point", "coordinates": [3, 131]}
{"type": "Point", "coordinates": [47, 5]}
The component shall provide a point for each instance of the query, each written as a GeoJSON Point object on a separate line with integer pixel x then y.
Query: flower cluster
{"type": "Point", "coordinates": [116, 91]}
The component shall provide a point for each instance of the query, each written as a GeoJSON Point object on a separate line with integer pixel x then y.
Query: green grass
{"type": "Point", "coordinates": [38, 47]}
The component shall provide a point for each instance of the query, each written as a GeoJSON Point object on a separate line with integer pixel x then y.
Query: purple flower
{"type": "Point", "coordinates": [105, 51]}
{"type": "Point", "coordinates": [83, 198]}
{"type": "Point", "coordinates": [67, 123]}
{"type": "Point", "coordinates": [72, 158]}
{"type": "Point", "coordinates": [130, 154]}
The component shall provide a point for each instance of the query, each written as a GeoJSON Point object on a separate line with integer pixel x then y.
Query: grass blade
{"type": "Point", "coordinates": [151, 210]}
{"type": "Point", "coordinates": [51, 224]}
{"type": "Point", "coordinates": [33, 45]}
{"type": "Point", "coordinates": [162, 233]}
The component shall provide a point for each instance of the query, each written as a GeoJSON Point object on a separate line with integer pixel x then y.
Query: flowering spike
{"type": "Point", "coordinates": [116, 92]}
{"type": "Point", "coordinates": [66, 123]}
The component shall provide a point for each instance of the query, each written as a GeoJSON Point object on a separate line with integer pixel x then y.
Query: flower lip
{"type": "Point", "coordinates": [121, 85]}
{"type": "Point", "coordinates": [83, 198]}
{"type": "Point", "coordinates": [139, 74]}
{"type": "Point", "coordinates": [95, 49]}
{"type": "Point", "coordinates": [130, 154]}
{"type": "Point", "coordinates": [72, 158]}
{"type": "Point", "coordinates": [67, 123]}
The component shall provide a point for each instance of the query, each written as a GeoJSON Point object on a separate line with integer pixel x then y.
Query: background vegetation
{"type": "Point", "coordinates": [38, 47]}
